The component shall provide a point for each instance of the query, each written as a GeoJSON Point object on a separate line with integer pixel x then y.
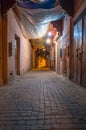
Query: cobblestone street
{"type": "Point", "coordinates": [42, 100]}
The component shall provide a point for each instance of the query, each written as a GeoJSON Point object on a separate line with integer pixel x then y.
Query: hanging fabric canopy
{"type": "Point", "coordinates": [35, 4]}
{"type": "Point", "coordinates": [35, 20]}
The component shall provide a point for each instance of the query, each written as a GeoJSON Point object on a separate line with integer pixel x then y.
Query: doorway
{"type": "Point", "coordinates": [17, 55]}
{"type": "Point", "coordinates": [64, 60]}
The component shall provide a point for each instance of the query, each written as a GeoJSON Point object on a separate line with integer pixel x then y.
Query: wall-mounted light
{"type": "Point", "coordinates": [48, 41]}
{"type": "Point", "coordinates": [49, 33]}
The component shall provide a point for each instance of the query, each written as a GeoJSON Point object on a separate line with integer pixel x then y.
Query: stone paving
{"type": "Point", "coordinates": [42, 100]}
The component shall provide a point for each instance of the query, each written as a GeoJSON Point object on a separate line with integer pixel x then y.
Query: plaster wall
{"type": "Point", "coordinates": [58, 66]}
{"type": "Point", "coordinates": [65, 41]}
{"type": "Point", "coordinates": [25, 46]}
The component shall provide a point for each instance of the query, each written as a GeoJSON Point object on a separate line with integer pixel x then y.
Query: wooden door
{"type": "Point", "coordinates": [84, 53]}
{"type": "Point", "coordinates": [17, 55]}
{"type": "Point", "coordinates": [58, 58]}
{"type": "Point", "coordinates": [77, 51]}
{"type": "Point", "coordinates": [64, 60]}
{"type": "Point", "coordinates": [75, 54]}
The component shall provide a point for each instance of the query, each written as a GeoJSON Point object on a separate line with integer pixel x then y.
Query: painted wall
{"type": "Point", "coordinates": [25, 47]}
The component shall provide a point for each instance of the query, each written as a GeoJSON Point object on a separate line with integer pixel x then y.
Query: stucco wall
{"type": "Point", "coordinates": [65, 40]}
{"type": "Point", "coordinates": [58, 59]}
{"type": "Point", "coordinates": [25, 47]}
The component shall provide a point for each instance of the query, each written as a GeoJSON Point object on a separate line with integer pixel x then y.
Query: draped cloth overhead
{"type": "Point", "coordinates": [35, 4]}
{"type": "Point", "coordinates": [35, 21]}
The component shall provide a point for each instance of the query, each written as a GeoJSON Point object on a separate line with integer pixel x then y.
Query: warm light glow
{"type": "Point", "coordinates": [48, 41]}
{"type": "Point", "coordinates": [41, 62]}
{"type": "Point", "coordinates": [49, 33]}
{"type": "Point", "coordinates": [44, 49]}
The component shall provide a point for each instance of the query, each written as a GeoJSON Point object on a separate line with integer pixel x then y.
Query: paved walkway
{"type": "Point", "coordinates": [42, 101]}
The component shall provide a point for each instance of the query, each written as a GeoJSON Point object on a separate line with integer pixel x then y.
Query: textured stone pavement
{"type": "Point", "coordinates": [42, 101]}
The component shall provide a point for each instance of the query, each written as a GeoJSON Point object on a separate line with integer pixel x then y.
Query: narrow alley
{"type": "Point", "coordinates": [42, 64]}
{"type": "Point", "coordinates": [42, 100]}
